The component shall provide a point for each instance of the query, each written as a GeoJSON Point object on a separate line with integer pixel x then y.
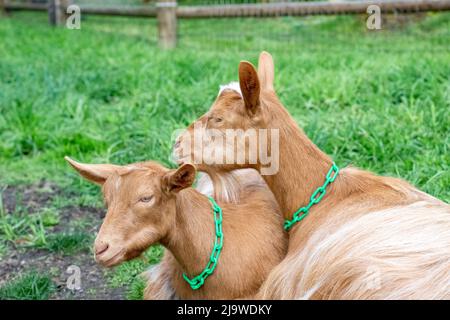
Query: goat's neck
{"type": "Point", "coordinates": [191, 237]}
{"type": "Point", "coordinates": [302, 168]}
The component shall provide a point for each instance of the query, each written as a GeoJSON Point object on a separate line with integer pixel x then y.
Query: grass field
{"type": "Point", "coordinates": [106, 93]}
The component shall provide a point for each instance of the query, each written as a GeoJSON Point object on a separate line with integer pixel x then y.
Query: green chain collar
{"type": "Point", "coordinates": [315, 198]}
{"type": "Point", "coordinates": [199, 280]}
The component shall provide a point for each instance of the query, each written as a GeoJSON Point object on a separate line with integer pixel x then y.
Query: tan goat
{"type": "Point", "coordinates": [148, 204]}
{"type": "Point", "coordinates": [370, 237]}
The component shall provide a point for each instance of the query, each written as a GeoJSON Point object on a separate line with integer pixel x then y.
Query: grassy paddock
{"type": "Point", "coordinates": [106, 93]}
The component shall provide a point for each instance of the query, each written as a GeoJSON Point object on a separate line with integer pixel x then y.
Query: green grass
{"type": "Point", "coordinates": [69, 243]}
{"type": "Point", "coordinates": [21, 229]}
{"type": "Point", "coordinates": [29, 286]}
{"type": "Point", "coordinates": [49, 216]}
{"type": "Point", "coordinates": [106, 93]}
{"type": "Point", "coordinates": [26, 231]}
{"type": "Point", "coordinates": [129, 273]}
{"type": "Point", "coordinates": [136, 290]}
{"type": "Point", "coordinates": [378, 100]}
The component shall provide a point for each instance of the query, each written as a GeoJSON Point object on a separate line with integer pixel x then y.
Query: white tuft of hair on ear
{"type": "Point", "coordinates": [234, 86]}
{"type": "Point", "coordinates": [227, 186]}
{"type": "Point", "coordinates": [205, 184]}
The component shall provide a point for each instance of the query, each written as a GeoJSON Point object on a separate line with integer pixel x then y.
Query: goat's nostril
{"type": "Point", "coordinates": [101, 247]}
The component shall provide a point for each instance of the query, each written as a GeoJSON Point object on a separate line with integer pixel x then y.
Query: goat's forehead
{"type": "Point", "coordinates": [133, 180]}
{"type": "Point", "coordinates": [226, 100]}
{"type": "Point", "coordinates": [232, 86]}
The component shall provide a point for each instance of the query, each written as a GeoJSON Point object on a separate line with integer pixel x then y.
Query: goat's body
{"type": "Point", "coordinates": [254, 243]}
{"type": "Point", "coordinates": [370, 238]}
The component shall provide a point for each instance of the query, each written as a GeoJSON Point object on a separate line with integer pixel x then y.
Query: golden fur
{"type": "Point", "coordinates": [148, 203]}
{"type": "Point", "coordinates": [364, 230]}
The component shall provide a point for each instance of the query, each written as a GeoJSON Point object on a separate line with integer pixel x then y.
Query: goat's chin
{"type": "Point", "coordinates": [131, 254]}
{"type": "Point", "coordinates": [112, 259]}
{"type": "Point", "coordinates": [119, 256]}
{"type": "Point", "coordinates": [126, 250]}
{"type": "Point", "coordinates": [179, 157]}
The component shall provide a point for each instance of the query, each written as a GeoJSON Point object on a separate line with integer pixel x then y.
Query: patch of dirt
{"type": "Point", "coordinates": [94, 282]}
{"type": "Point", "coordinates": [31, 197]}
{"type": "Point", "coordinates": [89, 216]}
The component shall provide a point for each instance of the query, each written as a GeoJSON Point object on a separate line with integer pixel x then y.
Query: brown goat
{"type": "Point", "coordinates": [370, 237]}
{"type": "Point", "coordinates": [148, 203]}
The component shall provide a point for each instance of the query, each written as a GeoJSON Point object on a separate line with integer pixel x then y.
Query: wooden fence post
{"type": "Point", "coordinates": [57, 12]}
{"type": "Point", "coordinates": [3, 8]}
{"type": "Point", "coordinates": [167, 23]}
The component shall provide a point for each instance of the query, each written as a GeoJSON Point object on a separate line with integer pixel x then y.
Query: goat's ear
{"type": "Point", "coordinates": [266, 70]}
{"type": "Point", "coordinates": [176, 180]}
{"type": "Point", "coordinates": [97, 173]}
{"type": "Point", "coordinates": [250, 88]}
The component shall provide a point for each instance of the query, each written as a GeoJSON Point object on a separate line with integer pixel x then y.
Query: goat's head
{"type": "Point", "coordinates": [140, 201]}
{"type": "Point", "coordinates": [236, 117]}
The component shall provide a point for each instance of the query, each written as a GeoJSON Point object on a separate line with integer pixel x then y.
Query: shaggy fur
{"type": "Point", "coordinates": [233, 86]}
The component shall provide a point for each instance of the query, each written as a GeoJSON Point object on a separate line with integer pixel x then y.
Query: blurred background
{"type": "Point", "coordinates": [114, 88]}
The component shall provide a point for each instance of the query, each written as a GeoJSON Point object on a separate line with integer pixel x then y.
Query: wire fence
{"type": "Point", "coordinates": [263, 24]}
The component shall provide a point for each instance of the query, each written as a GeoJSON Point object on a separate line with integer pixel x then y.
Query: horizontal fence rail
{"type": "Point", "coordinates": [256, 10]}
{"type": "Point", "coordinates": [167, 11]}
{"type": "Point", "coordinates": [25, 6]}
{"type": "Point", "coordinates": [309, 8]}
{"type": "Point", "coordinates": [128, 11]}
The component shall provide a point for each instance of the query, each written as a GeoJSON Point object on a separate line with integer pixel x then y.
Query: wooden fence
{"type": "Point", "coordinates": [167, 11]}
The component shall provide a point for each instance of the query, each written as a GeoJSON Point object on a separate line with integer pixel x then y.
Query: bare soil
{"type": "Point", "coordinates": [18, 259]}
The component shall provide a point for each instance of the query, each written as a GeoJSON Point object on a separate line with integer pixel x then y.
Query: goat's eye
{"type": "Point", "coordinates": [215, 119]}
{"type": "Point", "coordinates": [146, 199]}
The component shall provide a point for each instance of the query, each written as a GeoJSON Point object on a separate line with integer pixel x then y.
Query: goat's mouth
{"type": "Point", "coordinates": [110, 260]}
{"type": "Point", "coordinates": [178, 157]}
